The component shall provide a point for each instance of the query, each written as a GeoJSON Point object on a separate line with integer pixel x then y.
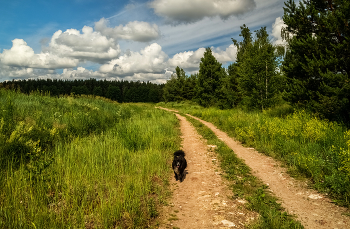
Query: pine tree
{"type": "Point", "coordinates": [317, 63]}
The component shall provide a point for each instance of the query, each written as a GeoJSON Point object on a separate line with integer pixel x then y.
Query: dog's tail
{"type": "Point", "coordinates": [179, 153]}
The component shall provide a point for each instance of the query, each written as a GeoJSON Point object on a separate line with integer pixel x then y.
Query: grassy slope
{"type": "Point", "coordinates": [82, 162]}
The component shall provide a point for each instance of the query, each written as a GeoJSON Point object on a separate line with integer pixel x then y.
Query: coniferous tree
{"type": "Point", "coordinates": [209, 82]}
{"type": "Point", "coordinates": [180, 83]}
{"type": "Point", "coordinates": [231, 88]}
{"type": "Point", "coordinates": [113, 93]}
{"type": "Point", "coordinates": [97, 91]}
{"type": "Point", "coordinates": [317, 63]}
{"type": "Point", "coordinates": [189, 87]}
{"type": "Point", "coordinates": [169, 92]}
{"type": "Point", "coordinates": [256, 70]}
{"type": "Point", "coordinates": [174, 89]}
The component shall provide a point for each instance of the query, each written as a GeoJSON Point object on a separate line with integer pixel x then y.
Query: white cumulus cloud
{"type": "Point", "coordinates": [228, 55]}
{"type": "Point", "coordinates": [152, 77]}
{"type": "Point", "coordinates": [22, 55]}
{"type": "Point", "coordinates": [187, 11]}
{"type": "Point", "coordinates": [190, 60]}
{"type": "Point", "coordinates": [135, 30]}
{"type": "Point", "coordinates": [151, 59]}
{"type": "Point", "coordinates": [276, 31]}
{"type": "Point", "coordinates": [80, 73]}
{"type": "Point", "coordinates": [88, 45]}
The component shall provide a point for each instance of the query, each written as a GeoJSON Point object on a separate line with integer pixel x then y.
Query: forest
{"type": "Point", "coordinates": [310, 72]}
{"type": "Point", "coordinates": [121, 91]}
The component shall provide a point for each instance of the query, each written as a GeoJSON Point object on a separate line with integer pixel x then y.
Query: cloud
{"type": "Point", "coordinates": [153, 62]}
{"type": "Point", "coordinates": [152, 77]}
{"type": "Point", "coordinates": [190, 60]}
{"type": "Point", "coordinates": [21, 55]}
{"type": "Point", "coordinates": [188, 11]}
{"type": "Point", "coordinates": [229, 55]}
{"type": "Point", "coordinates": [80, 73]}
{"type": "Point", "coordinates": [88, 45]}
{"type": "Point", "coordinates": [151, 59]}
{"type": "Point", "coordinates": [136, 30]}
{"type": "Point", "coordinates": [20, 73]}
{"type": "Point", "coordinates": [148, 64]}
{"type": "Point", "coordinates": [276, 31]}
{"type": "Point", "coordinates": [10, 72]}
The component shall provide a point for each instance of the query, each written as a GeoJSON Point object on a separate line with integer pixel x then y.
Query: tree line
{"type": "Point", "coordinates": [121, 91]}
{"type": "Point", "coordinates": [253, 81]}
{"type": "Point", "coordinates": [310, 72]}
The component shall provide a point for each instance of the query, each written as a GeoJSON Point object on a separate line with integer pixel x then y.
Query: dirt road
{"type": "Point", "coordinates": [201, 200]}
{"type": "Point", "coordinates": [312, 208]}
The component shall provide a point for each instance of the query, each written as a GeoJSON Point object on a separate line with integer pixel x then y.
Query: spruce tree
{"type": "Point", "coordinates": [317, 63]}
{"type": "Point", "coordinates": [174, 89]}
{"type": "Point", "coordinates": [189, 88]}
{"type": "Point", "coordinates": [255, 71]}
{"type": "Point", "coordinates": [209, 80]}
{"type": "Point", "coordinates": [231, 86]}
{"type": "Point", "coordinates": [113, 93]}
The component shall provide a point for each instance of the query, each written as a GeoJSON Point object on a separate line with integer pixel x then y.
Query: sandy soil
{"type": "Point", "coordinates": [202, 199]}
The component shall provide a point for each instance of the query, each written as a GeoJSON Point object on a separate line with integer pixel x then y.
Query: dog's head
{"type": "Point", "coordinates": [178, 163]}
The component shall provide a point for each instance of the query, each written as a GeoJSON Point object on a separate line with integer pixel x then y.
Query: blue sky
{"type": "Point", "coordinates": [127, 39]}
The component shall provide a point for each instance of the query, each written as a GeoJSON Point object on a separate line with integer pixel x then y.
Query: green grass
{"type": "Point", "coordinates": [311, 148]}
{"type": "Point", "coordinates": [245, 185]}
{"type": "Point", "coordinates": [82, 162]}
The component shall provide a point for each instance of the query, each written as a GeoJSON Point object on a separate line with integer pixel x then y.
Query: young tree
{"type": "Point", "coordinates": [209, 82]}
{"type": "Point", "coordinates": [256, 69]}
{"type": "Point", "coordinates": [174, 89]}
{"type": "Point", "coordinates": [231, 88]}
{"type": "Point", "coordinates": [317, 63]}
{"type": "Point", "coordinates": [189, 87]}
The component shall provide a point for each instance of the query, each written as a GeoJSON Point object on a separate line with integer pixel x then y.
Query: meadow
{"type": "Point", "coordinates": [83, 162]}
{"type": "Point", "coordinates": [311, 148]}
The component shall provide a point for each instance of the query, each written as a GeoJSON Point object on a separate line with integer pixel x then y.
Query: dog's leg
{"type": "Point", "coordinates": [176, 176]}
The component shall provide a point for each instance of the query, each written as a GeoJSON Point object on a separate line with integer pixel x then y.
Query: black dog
{"type": "Point", "coordinates": [179, 165]}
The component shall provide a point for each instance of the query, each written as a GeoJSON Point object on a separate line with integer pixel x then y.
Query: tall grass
{"type": "Point", "coordinates": [82, 163]}
{"type": "Point", "coordinates": [314, 148]}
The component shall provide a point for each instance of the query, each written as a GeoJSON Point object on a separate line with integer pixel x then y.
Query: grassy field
{"type": "Point", "coordinates": [82, 162]}
{"type": "Point", "coordinates": [310, 147]}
